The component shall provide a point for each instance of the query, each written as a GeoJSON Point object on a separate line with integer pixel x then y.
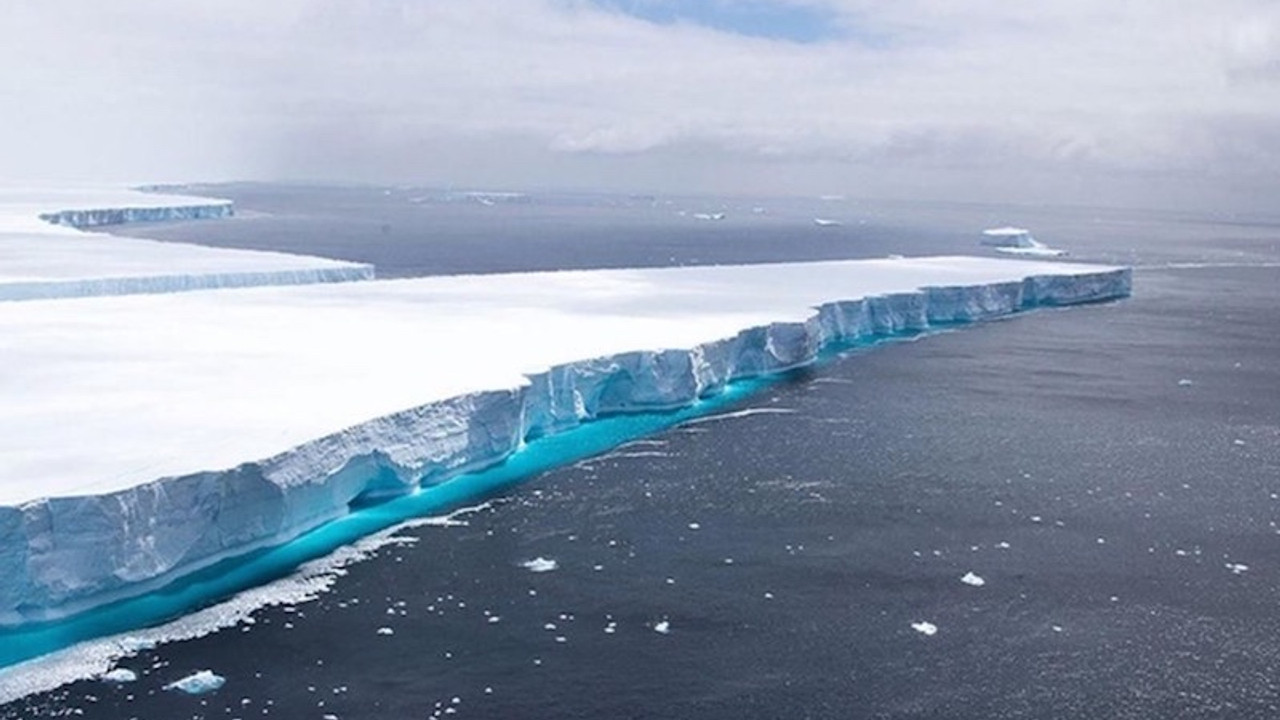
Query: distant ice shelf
{"type": "Point", "coordinates": [145, 437]}
{"type": "Point", "coordinates": [44, 252]}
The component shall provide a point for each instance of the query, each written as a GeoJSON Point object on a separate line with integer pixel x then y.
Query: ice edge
{"type": "Point", "coordinates": [63, 556]}
{"type": "Point", "coordinates": [83, 219]}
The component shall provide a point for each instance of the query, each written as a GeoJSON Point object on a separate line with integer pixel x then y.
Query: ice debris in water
{"type": "Point", "coordinates": [1237, 568]}
{"type": "Point", "coordinates": [198, 683]}
{"type": "Point", "coordinates": [386, 631]}
{"type": "Point", "coordinates": [925, 628]}
{"type": "Point", "coordinates": [1184, 382]}
{"type": "Point", "coordinates": [973, 580]}
{"type": "Point", "coordinates": [540, 564]}
{"type": "Point", "coordinates": [662, 626]}
{"type": "Point", "coordinates": [120, 675]}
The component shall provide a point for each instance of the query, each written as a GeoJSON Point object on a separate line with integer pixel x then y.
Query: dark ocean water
{"type": "Point", "coordinates": [1112, 473]}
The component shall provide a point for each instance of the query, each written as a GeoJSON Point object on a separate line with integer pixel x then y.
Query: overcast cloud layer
{"type": "Point", "coordinates": [1112, 101]}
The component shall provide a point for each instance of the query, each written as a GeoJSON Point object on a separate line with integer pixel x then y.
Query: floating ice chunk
{"type": "Point", "coordinates": [386, 631]}
{"type": "Point", "coordinates": [925, 628]}
{"type": "Point", "coordinates": [1184, 382]}
{"type": "Point", "coordinates": [198, 683]}
{"type": "Point", "coordinates": [540, 565]}
{"type": "Point", "coordinates": [120, 675]}
{"type": "Point", "coordinates": [1237, 568]}
{"type": "Point", "coordinates": [826, 222]}
{"type": "Point", "coordinates": [694, 526]}
{"type": "Point", "coordinates": [972, 580]}
{"type": "Point", "coordinates": [662, 626]}
{"type": "Point", "coordinates": [1017, 241]}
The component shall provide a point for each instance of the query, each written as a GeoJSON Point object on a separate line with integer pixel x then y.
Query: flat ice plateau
{"type": "Point", "coordinates": [44, 253]}
{"type": "Point", "coordinates": [146, 436]}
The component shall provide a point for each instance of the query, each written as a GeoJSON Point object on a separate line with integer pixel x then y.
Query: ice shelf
{"type": "Point", "coordinates": [44, 252]}
{"type": "Point", "coordinates": [143, 437]}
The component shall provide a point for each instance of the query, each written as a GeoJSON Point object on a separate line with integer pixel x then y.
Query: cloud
{"type": "Point", "coordinates": [432, 90]}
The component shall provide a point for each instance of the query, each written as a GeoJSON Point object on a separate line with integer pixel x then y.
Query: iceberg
{"type": "Point", "coordinates": [198, 683]}
{"type": "Point", "coordinates": [145, 437]}
{"type": "Point", "coordinates": [1017, 241]}
{"type": "Point", "coordinates": [45, 253]}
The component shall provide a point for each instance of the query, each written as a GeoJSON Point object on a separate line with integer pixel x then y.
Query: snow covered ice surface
{"type": "Point", "coordinates": [146, 436]}
{"type": "Point", "coordinates": [44, 255]}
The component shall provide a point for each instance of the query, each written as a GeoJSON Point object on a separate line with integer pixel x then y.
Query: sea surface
{"type": "Point", "coordinates": [1064, 514]}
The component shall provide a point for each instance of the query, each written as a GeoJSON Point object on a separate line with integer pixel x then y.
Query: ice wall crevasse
{"type": "Point", "coordinates": [61, 556]}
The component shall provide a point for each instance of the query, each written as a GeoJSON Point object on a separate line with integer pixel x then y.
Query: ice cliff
{"type": "Point", "coordinates": [62, 555]}
{"type": "Point", "coordinates": [80, 219]}
{"type": "Point", "coordinates": [44, 253]}
{"type": "Point", "coordinates": [152, 284]}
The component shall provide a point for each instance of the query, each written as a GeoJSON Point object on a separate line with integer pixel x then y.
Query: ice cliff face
{"type": "Point", "coordinates": [149, 284]}
{"type": "Point", "coordinates": [64, 555]}
{"type": "Point", "coordinates": [39, 262]}
{"type": "Point", "coordinates": [82, 219]}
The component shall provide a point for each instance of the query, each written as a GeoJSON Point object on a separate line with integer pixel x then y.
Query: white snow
{"type": "Point", "coordinates": [662, 626]}
{"type": "Point", "coordinates": [973, 580]}
{"type": "Point", "coordinates": [171, 431]}
{"type": "Point", "coordinates": [198, 683]}
{"type": "Point", "coordinates": [40, 259]}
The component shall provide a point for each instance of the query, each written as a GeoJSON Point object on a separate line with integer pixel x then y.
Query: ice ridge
{"type": "Point", "coordinates": [62, 556]}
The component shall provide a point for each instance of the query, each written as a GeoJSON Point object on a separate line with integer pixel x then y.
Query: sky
{"type": "Point", "coordinates": [1160, 103]}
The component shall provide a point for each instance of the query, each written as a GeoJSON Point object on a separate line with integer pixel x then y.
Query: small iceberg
{"type": "Point", "coordinates": [120, 676]}
{"type": "Point", "coordinates": [826, 222]}
{"type": "Point", "coordinates": [540, 565]}
{"type": "Point", "coordinates": [925, 628]}
{"type": "Point", "coordinates": [1017, 241]}
{"type": "Point", "coordinates": [198, 683]}
{"type": "Point", "coordinates": [973, 580]}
